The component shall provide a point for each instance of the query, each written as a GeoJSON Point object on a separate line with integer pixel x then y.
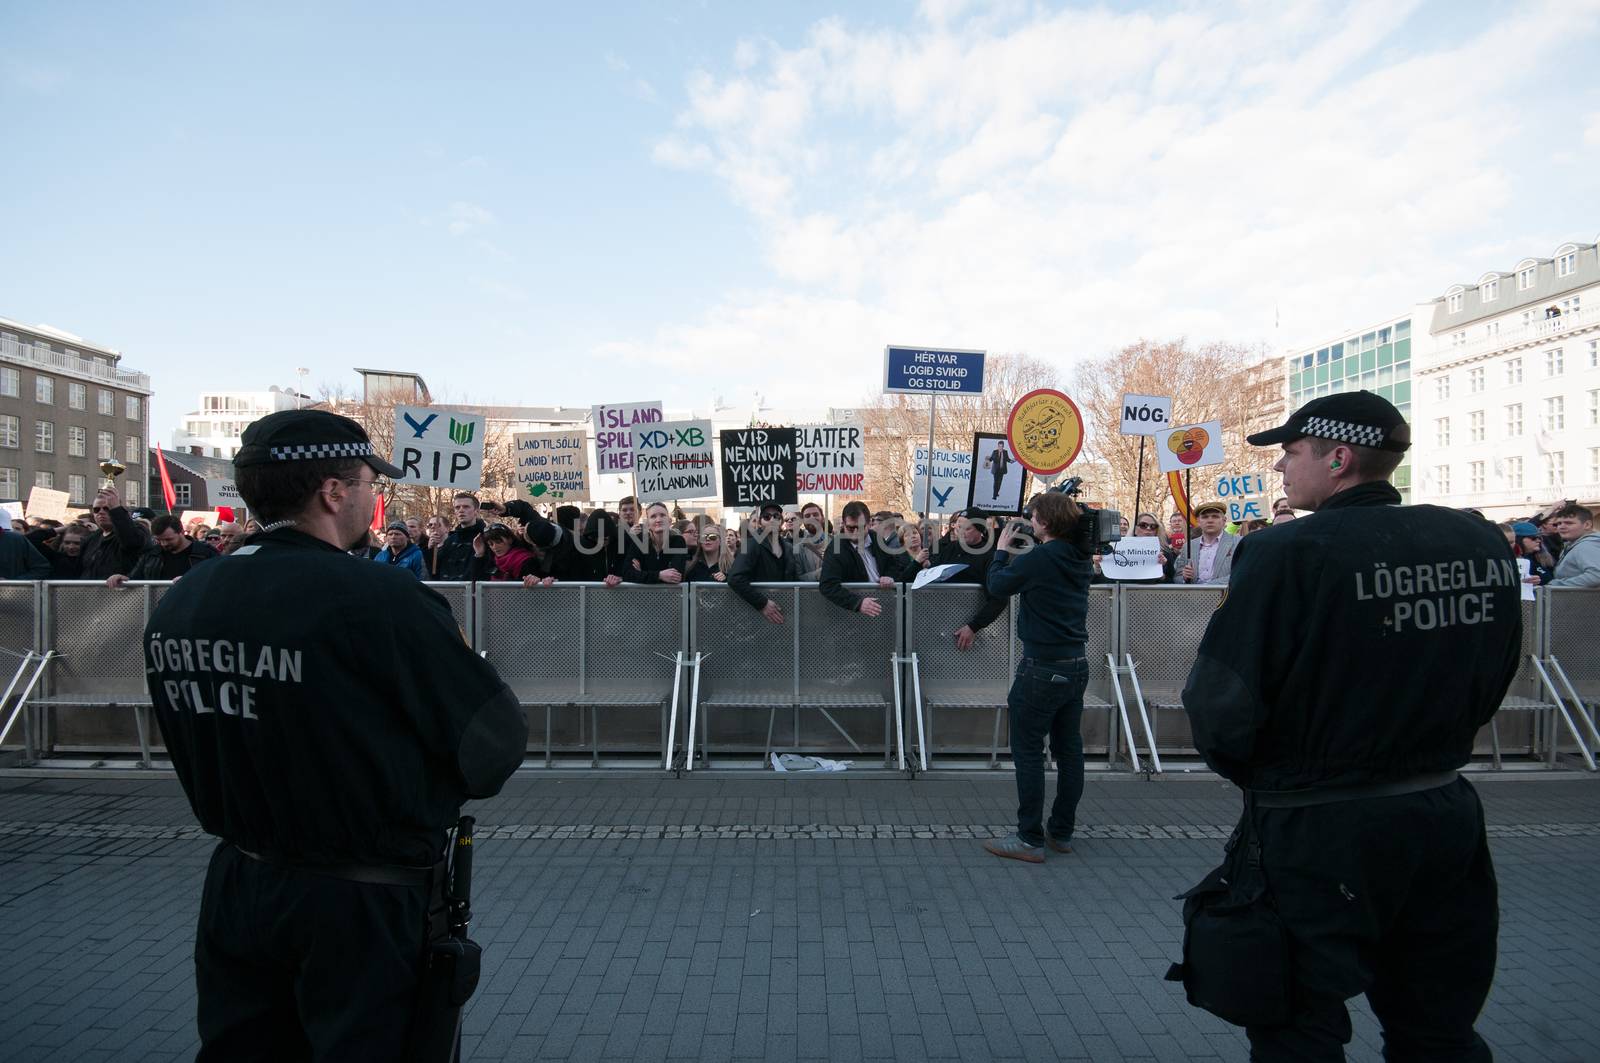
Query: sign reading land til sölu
{"type": "Point", "coordinates": [758, 466]}
{"type": "Point", "coordinates": [932, 371]}
{"type": "Point", "coordinates": [613, 433]}
{"type": "Point", "coordinates": [831, 458]}
{"type": "Point", "coordinates": [439, 448]}
{"type": "Point", "coordinates": [672, 460]}
{"type": "Point", "coordinates": [551, 465]}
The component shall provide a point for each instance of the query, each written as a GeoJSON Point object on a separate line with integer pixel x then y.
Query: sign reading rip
{"type": "Point", "coordinates": [439, 449]}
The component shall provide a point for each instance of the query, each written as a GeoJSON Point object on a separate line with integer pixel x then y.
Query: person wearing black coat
{"type": "Point", "coordinates": [19, 559]}
{"type": "Point", "coordinates": [654, 553]}
{"type": "Point", "coordinates": [765, 556]}
{"type": "Point", "coordinates": [972, 546]}
{"type": "Point", "coordinates": [171, 554]}
{"type": "Point", "coordinates": [66, 555]}
{"type": "Point", "coordinates": [857, 556]}
{"type": "Point", "coordinates": [455, 560]}
{"type": "Point", "coordinates": [117, 542]}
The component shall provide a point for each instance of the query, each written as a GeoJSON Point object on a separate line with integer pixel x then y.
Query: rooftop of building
{"type": "Point", "coordinates": [50, 332]}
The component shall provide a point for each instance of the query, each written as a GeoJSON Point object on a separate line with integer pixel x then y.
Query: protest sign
{"type": "Point", "coordinates": [1145, 415]}
{"type": "Point", "coordinates": [1243, 496]}
{"type": "Point", "coordinates": [758, 466]}
{"type": "Point", "coordinates": [551, 465]}
{"type": "Point", "coordinates": [1525, 567]}
{"type": "Point", "coordinates": [613, 433]}
{"type": "Point", "coordinates": [1136, 558]}
{"type": "Point", "coordinates": [1190, 446]}
{"type": "Point", "coordinates": [999, 481]}
{"type": "Point", "coordinates": [831, 458]}
{"type": "Point", "coordinates": [952, 472]}
{"type": "Point", "coordinates": [672, 460]}
{"type": "Point", "coordinates": [1046, 431]}
{"type": "Point", "coordinates": [48, 504]}
{"type": "Point", "coordinates": [192, 517]}
{"type": "Point", "coordinates": [932, 370]}
{"type": "Point", "coordinates": [936, 574]}
{"type": "Point", "coordinates": [439, 448]}
{"type": "Point", "coordinates": [224, 492]}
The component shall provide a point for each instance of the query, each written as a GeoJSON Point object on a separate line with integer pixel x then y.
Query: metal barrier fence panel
{"type": "Point", "coordinates": [99, 634]}
{"type": "Point", "coordinates": [960, 688]}
{"type": "Point", "coordinates": [845, 664]}
{"type": "Point", "coordinates": [459, 595]}
{"type": "Point", "coordinates": [1518, 731]}
{"type": "Point", "coordinates": [1161, 627]}
{"type": "Point", "coordinates": [533, 638]}
{"type": "Point", "coordinates": [631, 637]}
{"type": "Point", "coordinates": [19, 635]}
{"type": "Point", "coordinates": [1100, 733]}
{"type": "Point", "coordinates": [1572, 624]}
{"type": "Point", "coordinates": [747, 659]}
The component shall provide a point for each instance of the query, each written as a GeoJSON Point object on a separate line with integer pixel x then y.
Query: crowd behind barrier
{"type": "Point", "coordinates": [694, 676]}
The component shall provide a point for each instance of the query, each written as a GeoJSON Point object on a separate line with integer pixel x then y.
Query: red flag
{"type": "Point", "coordinates": [377, 515]}
{"type": "Point", "coordinates": [166, 481]}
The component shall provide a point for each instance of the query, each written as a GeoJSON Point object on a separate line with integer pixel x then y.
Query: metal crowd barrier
{"type": "Point", "coordinates": [688, 670]}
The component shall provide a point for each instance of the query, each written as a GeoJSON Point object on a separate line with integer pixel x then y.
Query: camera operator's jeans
{"type": "Point", "coordinates": [1046, 699]}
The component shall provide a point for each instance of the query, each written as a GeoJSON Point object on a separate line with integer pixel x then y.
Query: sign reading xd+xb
{"type": "Point", "coordinates": [831, 458]}
{"type": "Point", "coordinates": [439, 448]}
{"type": "Point", "coordinates": [1243, 496]}
{"type": "Point", "coordinates": [1190, 446]}
{"type": "Point", "coordinates": [932, 371]}
{"type": "Point", "coordinates": [758, 466]}
{"type": "Point", "coordinates": [672, 460]}
{"type": "Point", "coordinates": [1045, 431]}
{"type": "Point", "coordinates": [1145, 415]}
{"type": "Point", "coordinates": [613, 433]}
{"type": "Point", "coordinates": [551, 465]}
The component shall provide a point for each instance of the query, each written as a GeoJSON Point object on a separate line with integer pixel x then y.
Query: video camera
{"type": "Point", "coordinates": [1097, 528]}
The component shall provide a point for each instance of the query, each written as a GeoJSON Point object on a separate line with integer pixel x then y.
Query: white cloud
{"type": "Point", "coordinates": [1065, 182]}
{"type": "Point", "coordinates": [461, 218]}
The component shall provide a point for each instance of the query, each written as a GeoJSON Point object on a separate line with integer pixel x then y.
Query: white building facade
{"type": "Point", "coordinates": [214, 429]}
{"type": "Point", "coordinates": [1507, 388]}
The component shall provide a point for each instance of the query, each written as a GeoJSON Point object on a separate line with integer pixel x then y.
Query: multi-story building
{"type": "Point", "coordinates": [214, 429]}
{"type": "Point", "coordinates": [1509, 388]}
{"type": "Point", "coordinates": [1376, 359]}
{"type": "Point", "coordinates": [66, 405]}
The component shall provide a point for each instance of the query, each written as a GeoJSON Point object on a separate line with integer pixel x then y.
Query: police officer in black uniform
{"type": "Point", "coordinates": [1340, 685]}
{"type": "Point", "coordinates": [327, 722]}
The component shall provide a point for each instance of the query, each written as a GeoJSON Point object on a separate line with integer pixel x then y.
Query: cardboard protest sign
{"type": "Point", "coordinates": [1136, 558]}
{"type": "Point", "coordinates": [1190, 446]}
{"type": "Point", "coordinates": [191, 517]}
{"type": "Point", "coordinates": [1145, 415]}
{"type": "Point", "coordinates": [832, 458]}
{"type": "Point", "coordinates": [758, 466]}
{"type": "Point", "coordinates": [551, 465]}
{"type": "Point", "coordinates": [672, 460]}
{"type": "Point", "coordinates": [952, 473]}
{"type": "Point", "coordinates": [613, 433]}
{"type": "Point", "coordinates": [224, 492]}
{"type": "Point", "coordinates": [47, 503]}
{"type": "Point", "coordinates": [1243, 495]}
{"type": "Point", "coordinates": [1046, 431]}
{"type": "Point", "coordinates": [999, 482]}
{"type": "Point", "coordinates": [439, 448]}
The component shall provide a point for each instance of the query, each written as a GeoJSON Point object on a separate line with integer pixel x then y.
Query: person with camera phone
{"type": "Point", "coordinates": [1051, 577]}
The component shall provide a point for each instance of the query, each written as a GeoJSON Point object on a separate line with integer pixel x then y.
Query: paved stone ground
{"type": "Point", "coordinates": [741, 918]}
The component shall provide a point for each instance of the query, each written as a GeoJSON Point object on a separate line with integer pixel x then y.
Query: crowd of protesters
{"type": "Point", "coordinates": [516, 542]}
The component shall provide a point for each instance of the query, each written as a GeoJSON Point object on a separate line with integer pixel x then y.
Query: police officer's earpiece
{"type": "Point", "coordinates": [1335, 464]}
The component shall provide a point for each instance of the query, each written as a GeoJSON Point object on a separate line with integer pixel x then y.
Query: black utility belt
{"type": "Point", "coordinates": [1327, 795]}
{"type": "Point", "coordinates": [369, 874]}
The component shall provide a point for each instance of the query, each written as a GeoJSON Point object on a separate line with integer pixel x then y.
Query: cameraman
{"type": "Point", "coordinates": [1047, 695]}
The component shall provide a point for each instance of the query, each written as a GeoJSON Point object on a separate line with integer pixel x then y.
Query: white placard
{"type": "Point", "coordinates": [1525, 566]}
{"type": "Point", "coordinates": [952, 472]}
{"type": "Point", "coordinates": [936, 574]}
{"type": "Point", "coordinates": [1136, 558]}
{"type": "Point", "coordinates": [224, 492]}
{"type": "Point", "coordinates": [1244, 495]}
{"type": "Point", "coordinates": [1190, 446]}
{"type": "Point", "coordinates": [551, 465]}
{"type": "Point", "coordinates": [613, 433]}
{"type": "Point", "coordinates": [439, 448]}
{"type": "Point", "coordinates": [48, 504]}
{"type": "Point", "coordinates": [832, 458]}
{"type": "Point", "coordinates": [191, 517]}
{"type": "Point", "coordinates": [672, 460]}
{"type": "Point", "coordinates": [1145, 415]}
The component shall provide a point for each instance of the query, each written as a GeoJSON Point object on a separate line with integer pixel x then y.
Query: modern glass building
{"type": "Point", "coordinates": [1376, 360]}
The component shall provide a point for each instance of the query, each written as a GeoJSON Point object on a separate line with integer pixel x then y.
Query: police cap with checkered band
{"type": "Point", "coordinates": [1358, 418]}
{"type": "Point", "coordinates": [308, 435]}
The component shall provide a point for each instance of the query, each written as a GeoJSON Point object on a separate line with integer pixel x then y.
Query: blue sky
{"type": "Point", "coordinates": [568, 204]}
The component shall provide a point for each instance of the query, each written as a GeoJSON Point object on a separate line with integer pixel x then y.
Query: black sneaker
{"type": "Point", "coordinates": [1056, 846]}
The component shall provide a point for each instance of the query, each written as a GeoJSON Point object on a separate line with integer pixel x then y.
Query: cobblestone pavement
{"type": "Point", "coordinates": [719, 917]}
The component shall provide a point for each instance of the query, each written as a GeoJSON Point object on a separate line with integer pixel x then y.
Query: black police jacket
{"type": "Point", "coordinates": [1365, 643]}
{"type": "Point", "coordinates": [325, 709]}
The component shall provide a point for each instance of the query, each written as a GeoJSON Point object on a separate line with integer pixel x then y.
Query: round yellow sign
{"type": "Point", "coordinates": [1045, 431]}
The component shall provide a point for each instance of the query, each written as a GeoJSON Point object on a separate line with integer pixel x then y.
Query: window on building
{"type": "Point", "coordinates": [1527, 317]}
{"type": "Point", "coordinates": [1513, 372]}
{"type": "Point", "coordinates": [107, 446]}
{"type": "Point", "coordinates": [1475, 476]}
{"type": "Point", "coordinates": [130, 493]}
{"type": "Point", "coordinates": [1555, 469]}
{"type": "Point", "coordinates": [1514, 420]}
{"type": "Point", "coordinates": [44, 478]}
{"type": "Point", "coordinates": [78, 489]}
{"type": "Point", "coordinates": [1441, 478]}
{"type": "Point", "coordinates": [1555, 413]}
{"type": "Point", "coordinates": [1525, 277]}
{"type": "Point", "coordinates": [1554, 362]}
{"type": "Point", "coordinates": [1489, 291]}
{"type": "Point", "coordinates": [1475, 379]}
{"type": "Point", "coordinates": [1594, 354]}
{"type": "Point", "coordinates": [1475, 426]}
{"type": "Point", "coordinates": [10, 382]}
{"type": "Point", "coordinates": [44, 437]}
{"type": "Point", "coordinates": [1458, 339]}
{"type": "Point", "coordinates": [132, 407]}
{"type": "Point", "coordinates": [44, 389]}
{"type": "Point", "coordinates": [1455, 302]}
{"type": "Point", "coordinates": [77, 396]}
{"type": "Point", "coordinates": [108, 403]}
{"type": "Point", "coordinates": [1594, 408]}
{"type": "Point", "coordinates": [182, 495]}
{"type": "Point", "coordinates": [131, 448]}
{"type": "Point", "coordinates": [1594, 464]}
{"type": "Point", "coordinates": [10, 432]}
{"type": "Point", "coordinates": [1491, 330]}
{"type": "Point", "coordinates": [1572, 304]}
{"type": "Point", "coordinates": [1566, 263]}
{"type": "Point", "coordinates": [1441, 388]}
{"type": "Point", "coordinates": [1441, 432]}
{"type": "Point", "coordinates": [1514, 473]}
{"type": "Point", "coordinates": [77, 441]}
